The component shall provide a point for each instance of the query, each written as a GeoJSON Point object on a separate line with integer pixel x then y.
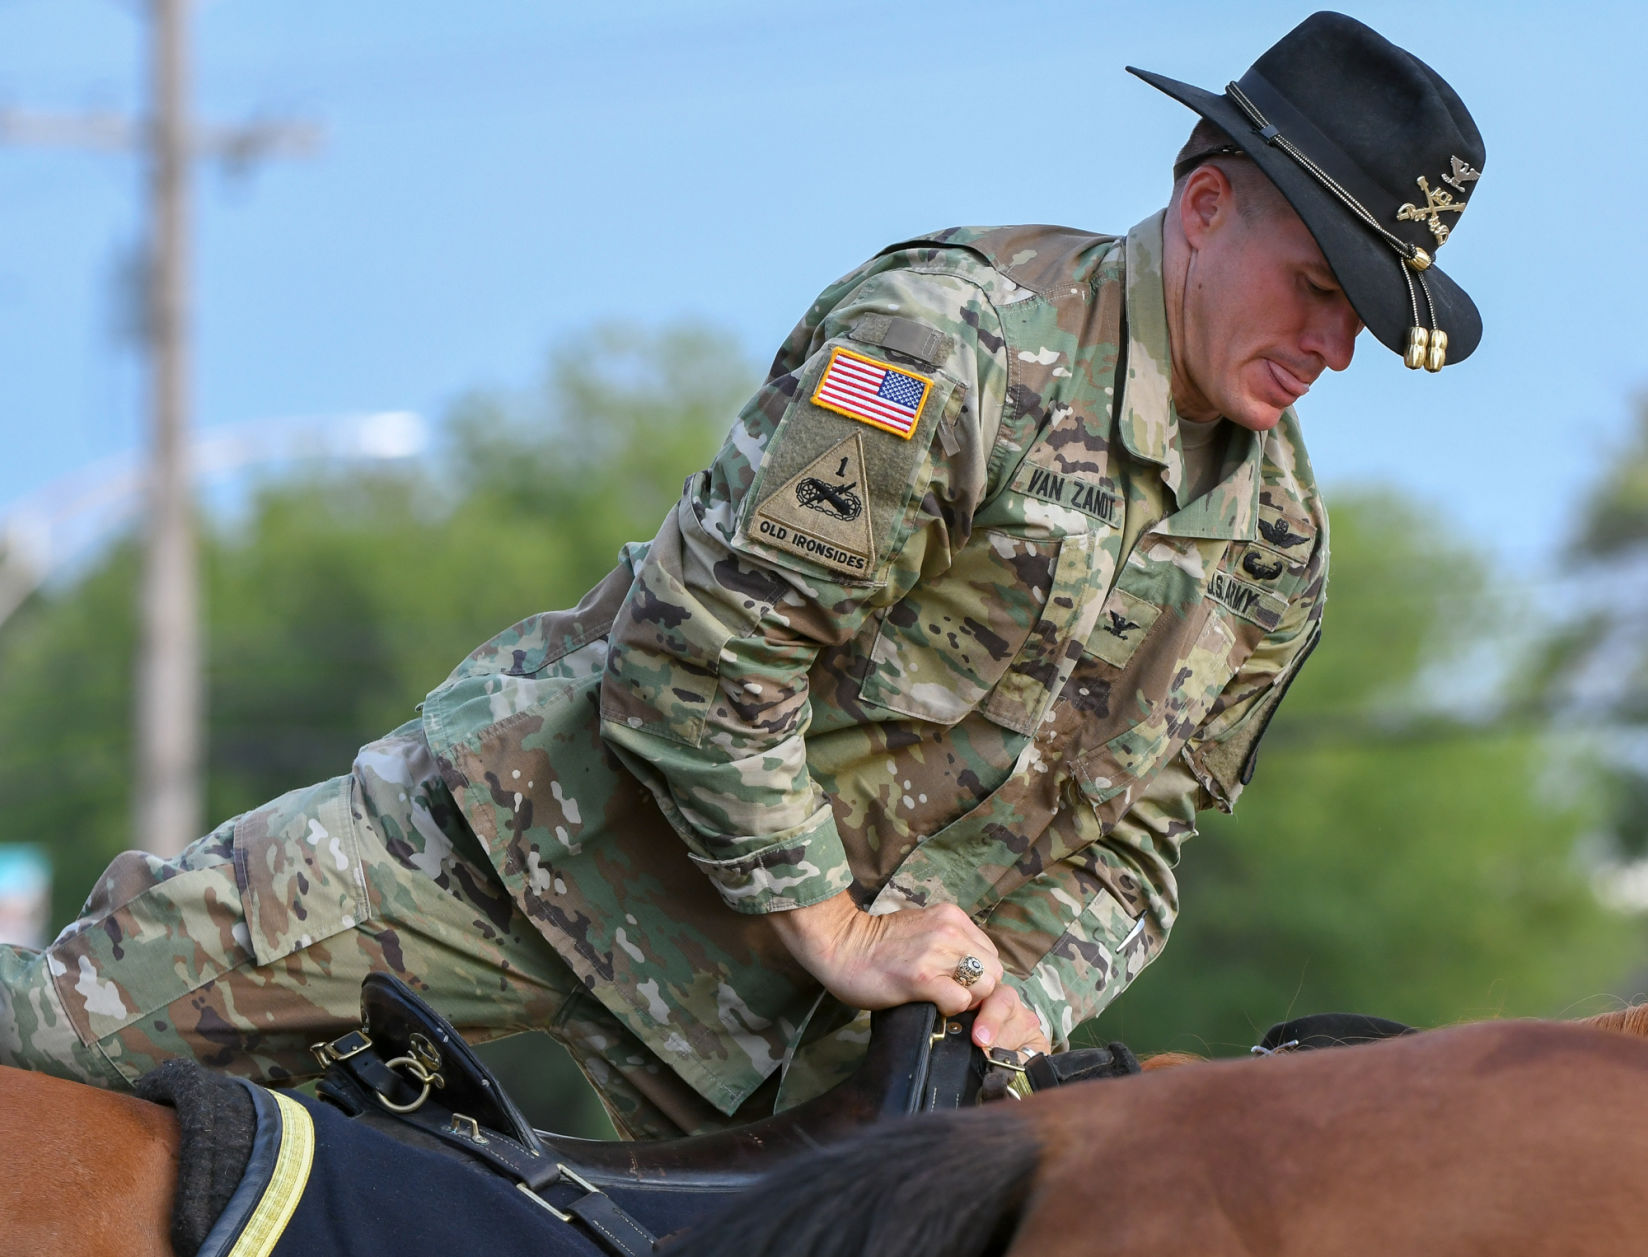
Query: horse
{"type": "Point", "coordinates": [83, 1172]}
{"type": "Point", "coordinates": [1514, 1135]}
{"type": "Point", "coordinates": [1516, 1138]}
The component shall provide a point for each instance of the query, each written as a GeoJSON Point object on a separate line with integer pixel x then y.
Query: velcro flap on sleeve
{"type": "Point", "coordinates": [905, 336]}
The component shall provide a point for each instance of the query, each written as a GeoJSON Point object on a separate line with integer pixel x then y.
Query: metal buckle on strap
{"type": "Point", "coordinates": [341, 1048]}
{"type": "Point", "coordinates": [945, 1027]}
{"type": "Point", "coordinates": [1019, 1085]}
{"type": "Point", "coordinates": [567, 1172]}
{"type": "Point", "coordinates": [1006, 1058]}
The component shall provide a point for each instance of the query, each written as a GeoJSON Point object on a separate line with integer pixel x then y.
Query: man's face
{"type": "Point", "coordinates": [1263, 315]}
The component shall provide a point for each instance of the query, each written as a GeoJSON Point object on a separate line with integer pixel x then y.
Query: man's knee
{"type": "Point", "coordinates": [36, 1031]}
{"type": "Point", "coordinates": [183, 956]}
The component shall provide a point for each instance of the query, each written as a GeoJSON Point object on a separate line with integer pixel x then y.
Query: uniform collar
{"type": "Point", "coordinates": [1149, 425]}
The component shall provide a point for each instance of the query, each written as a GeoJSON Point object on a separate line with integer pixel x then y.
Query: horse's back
{"type": "Point", "coordinates": [83, 1172]}
{"type": "Point", "coordinates": [1510, 1137]}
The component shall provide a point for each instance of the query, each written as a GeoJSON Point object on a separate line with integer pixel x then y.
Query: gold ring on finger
{"type": "Point", "coordinates": [968, 970]}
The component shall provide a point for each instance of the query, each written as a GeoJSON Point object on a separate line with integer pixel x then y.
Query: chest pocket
{"type": "Point", "coordinates": [1145, 691]}
{"type": "Point", "coordinates": [1000, 631]}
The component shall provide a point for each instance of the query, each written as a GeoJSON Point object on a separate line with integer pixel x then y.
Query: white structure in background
{"type": "Point", "coordinates": [25, 895]}
{"type": "Point", "coordinates": [47, 530]}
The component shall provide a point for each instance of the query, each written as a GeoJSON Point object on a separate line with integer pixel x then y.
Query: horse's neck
{"type": "Point", "coordinates": [83, 1172]}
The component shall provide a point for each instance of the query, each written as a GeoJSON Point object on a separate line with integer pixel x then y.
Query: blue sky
{"type": "Point", "coordinates": [495, 178]}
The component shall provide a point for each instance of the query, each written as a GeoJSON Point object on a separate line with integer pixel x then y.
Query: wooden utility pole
{"type": "Point", "coordinates": [170, 689]}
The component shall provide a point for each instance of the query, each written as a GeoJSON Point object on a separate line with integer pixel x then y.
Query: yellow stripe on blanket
{"type": "Point", "coordinates": [291, 1174]}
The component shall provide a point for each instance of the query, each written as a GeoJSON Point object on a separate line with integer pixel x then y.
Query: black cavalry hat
{"type": "Point", "coordinates": [1377, 155]}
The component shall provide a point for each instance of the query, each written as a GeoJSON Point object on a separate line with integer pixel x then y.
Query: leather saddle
{"type": "Point", "coordinates": [407, 1066]}
{"type": "Point", "coordinates": [409, 1073]}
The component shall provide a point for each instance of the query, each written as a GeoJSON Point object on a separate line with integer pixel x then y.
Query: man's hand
{"type": "Point", "coordinates": [1005, 1021]}
{"type": "Point", "coordinates": [903, 957]}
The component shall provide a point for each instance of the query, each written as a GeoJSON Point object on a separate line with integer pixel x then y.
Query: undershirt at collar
{"type": "Point", "coordinates": [1203, 446]}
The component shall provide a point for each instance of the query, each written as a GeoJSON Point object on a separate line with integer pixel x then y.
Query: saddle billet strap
{"type": "Point", "coordinates": [602, 1215]}
{"type": "Point", "coordinates": [953, 1069]}
{"type": "Point", "coordinates": [1115, 1060]}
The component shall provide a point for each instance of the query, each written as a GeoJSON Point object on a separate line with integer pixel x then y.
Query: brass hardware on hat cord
{"type": "Point", "coordinates": [1437, 355]}
{"type": "Point", "coordinates": [1427, 348]}
{"type": "Point", "coordinates": [1418, 343]}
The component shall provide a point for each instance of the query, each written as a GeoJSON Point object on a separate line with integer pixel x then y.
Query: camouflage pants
{"type": "Point", "coordinates": [252, 944]}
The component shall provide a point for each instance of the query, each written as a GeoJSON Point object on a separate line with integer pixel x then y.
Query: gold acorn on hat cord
{"type": "Point", "coordinates": [1418, 346]}
{"type": "Point", "coordinates": [1437, 357]}
{"type": "Point", "coordinates": [1427, 347]}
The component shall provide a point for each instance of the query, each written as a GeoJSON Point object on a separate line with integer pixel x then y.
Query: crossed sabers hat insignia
{"type": "Point", "coordinates": [1439, 201]}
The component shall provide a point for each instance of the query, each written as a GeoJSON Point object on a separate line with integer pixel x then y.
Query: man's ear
{"type": "Point", "coordinates": [1207, 202]}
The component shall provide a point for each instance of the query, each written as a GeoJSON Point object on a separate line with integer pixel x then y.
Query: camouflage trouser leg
{"type": "Point", "coordinates": [251, 946]}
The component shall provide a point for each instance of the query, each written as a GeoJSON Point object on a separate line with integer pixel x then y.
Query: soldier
{"type": "Point", "coordinates": [998, 578]}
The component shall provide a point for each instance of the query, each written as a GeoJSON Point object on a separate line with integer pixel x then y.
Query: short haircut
{"type": "Point", "coordinates": [1256, 196]}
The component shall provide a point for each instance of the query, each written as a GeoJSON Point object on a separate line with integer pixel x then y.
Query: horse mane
{"type": "Point", "coordinates": [1169, 1060]}
{"type": "Point", "coordinates": [1632, 1020]}
{"type": "Point", "coordinates": [947, 1183]}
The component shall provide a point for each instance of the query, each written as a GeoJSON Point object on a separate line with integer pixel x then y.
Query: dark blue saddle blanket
{"type": "Point", "coordinates": [282, 1175]}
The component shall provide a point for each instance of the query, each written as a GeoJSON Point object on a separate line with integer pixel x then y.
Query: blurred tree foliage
{"type": "Point", "coordinates": [1594, 669]}
{"type": "Point", "coordinates": [1384, 860]}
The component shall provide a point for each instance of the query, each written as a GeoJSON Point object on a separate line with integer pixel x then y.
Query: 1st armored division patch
{"type": "Point", "coordinates": [819, 512]}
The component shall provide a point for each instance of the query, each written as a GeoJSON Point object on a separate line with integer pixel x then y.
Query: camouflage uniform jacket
{"type": "Point", "coordinates": [948, 635]}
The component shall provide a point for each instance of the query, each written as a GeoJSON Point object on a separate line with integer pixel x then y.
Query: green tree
{"type": "Point", "coordinates": [1385, 859]}
{"type": "Point", "coordinates": [1594, 672]}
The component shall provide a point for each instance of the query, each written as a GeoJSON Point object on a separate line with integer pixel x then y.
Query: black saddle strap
{"type": "Point", "coordinates": [1320, 1030]}
{"type": "Point", "coordinates": [611, 1226]}
{"type": "Point", "coordinates": [1081, 1065]}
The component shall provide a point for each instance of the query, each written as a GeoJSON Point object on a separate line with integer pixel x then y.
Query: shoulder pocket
{"type": "Point", "coordinates": [298, 862]}
{"type": "Point", "coordinates": [835, 486]}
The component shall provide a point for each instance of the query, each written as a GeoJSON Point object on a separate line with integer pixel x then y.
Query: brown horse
{"type": "Point", "coordinates": [1514, 1137]}
{"type": "Point", "coordinates": [1511, 1138]}
{"type": "Point", "coordinates": [83, 1172]}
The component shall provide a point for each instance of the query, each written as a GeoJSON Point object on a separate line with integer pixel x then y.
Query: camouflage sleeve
{"type": "Point", "coordinates": [1075, 936]}
{"type": "Point", "coordinates": [810, 519]}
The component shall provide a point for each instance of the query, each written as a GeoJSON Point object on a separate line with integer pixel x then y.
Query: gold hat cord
{"type": "Point", "coordinates": [1427, 347]}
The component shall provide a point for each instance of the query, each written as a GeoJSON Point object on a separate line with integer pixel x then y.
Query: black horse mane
{"type": "Point", "coordinates": [949, 1183]}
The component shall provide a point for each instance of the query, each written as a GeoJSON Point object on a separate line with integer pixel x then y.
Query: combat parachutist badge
{"type": "Point", "coordinates": [1253, 565]}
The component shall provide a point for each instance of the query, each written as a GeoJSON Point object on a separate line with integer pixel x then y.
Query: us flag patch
{"type": "Point", "coordinates": [878, 393]}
